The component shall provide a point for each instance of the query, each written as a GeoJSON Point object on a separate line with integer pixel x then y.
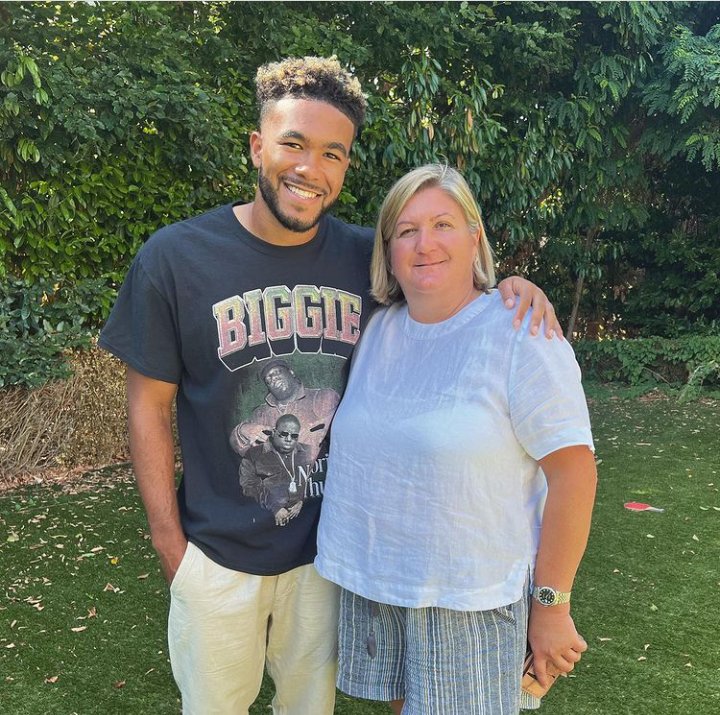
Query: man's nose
{"type": "Point", "coordinates": [308, 165]}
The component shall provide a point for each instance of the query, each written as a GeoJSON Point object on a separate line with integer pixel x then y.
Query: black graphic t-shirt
{"type": "Point", "coordinates": [256, 337]}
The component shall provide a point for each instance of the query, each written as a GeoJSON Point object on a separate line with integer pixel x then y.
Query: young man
{"type": "Point", "coordinates": [207, 303]}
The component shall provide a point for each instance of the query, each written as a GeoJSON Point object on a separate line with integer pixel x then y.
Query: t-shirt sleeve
{"type": "Point", "coordinates": [141, 329]}
{"type": "Point", "coordinates": [547, 403]}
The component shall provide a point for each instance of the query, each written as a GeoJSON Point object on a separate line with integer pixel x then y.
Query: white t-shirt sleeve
{"type": "Point", "coordinates": [547, 404]}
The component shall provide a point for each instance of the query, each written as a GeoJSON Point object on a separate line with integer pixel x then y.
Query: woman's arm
{"type": "Point", "coordinates": [571, 477]}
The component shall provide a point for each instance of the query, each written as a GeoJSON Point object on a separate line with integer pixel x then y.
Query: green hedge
{"type": "Point", "coordinates": [687, 360]}
{"type": "Point", "coordinates": [41, 321]}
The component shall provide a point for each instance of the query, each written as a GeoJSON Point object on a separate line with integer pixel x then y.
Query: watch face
{"type": "Point", "coordinates": [546, 596]}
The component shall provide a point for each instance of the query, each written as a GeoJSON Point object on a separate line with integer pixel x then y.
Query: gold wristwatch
{"type": "Point", "coordinates": [548, 596]}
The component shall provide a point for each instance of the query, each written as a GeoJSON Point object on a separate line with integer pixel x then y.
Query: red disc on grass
{"type": "Point", "coordinates": [640, 506]}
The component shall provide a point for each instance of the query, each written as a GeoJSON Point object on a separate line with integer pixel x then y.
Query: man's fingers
{"type": "Point", "coordinates": [552, 325]}
{"type": "Point", "coordinates": [507, 292]}
{"type": "Point", "coordinates": [542, 310]}
{"type": "Point", "coordinates": [522, 309]}
{"type": "Point", "coordinates": [521, 294]}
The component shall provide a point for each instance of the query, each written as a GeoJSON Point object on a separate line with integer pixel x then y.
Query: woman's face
{"type": "Point", "coordinates": [432, 247]}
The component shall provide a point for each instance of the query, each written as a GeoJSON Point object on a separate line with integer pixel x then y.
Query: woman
{"type": "Point", "coordinates": [436, 516]}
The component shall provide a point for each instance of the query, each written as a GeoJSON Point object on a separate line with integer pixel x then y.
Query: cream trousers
{"type": "Point", "coordinates": [226, 626]}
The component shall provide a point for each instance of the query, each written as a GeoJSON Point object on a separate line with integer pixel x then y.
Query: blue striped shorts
{"type": "Point", "coordinates": [441, 662]}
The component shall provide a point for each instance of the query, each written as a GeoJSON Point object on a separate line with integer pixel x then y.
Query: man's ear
{"type": "Point", "coordinates": [256, 148]}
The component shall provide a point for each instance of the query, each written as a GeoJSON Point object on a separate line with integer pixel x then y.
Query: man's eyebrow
{"type": "Point", "coordinates": [294, 134]}
{"type": "Point", "coordinates": [338, 146]}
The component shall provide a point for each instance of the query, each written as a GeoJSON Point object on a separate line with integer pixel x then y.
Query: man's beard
{"type": "Point", "coordinates": [270, 196]}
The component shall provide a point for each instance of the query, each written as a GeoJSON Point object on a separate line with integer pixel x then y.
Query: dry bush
{"type": "Point", "coordinates": [99, 433]}
{"type": "Point", "coordinates": [66, 424]}
{"type": "Point", "coordinates": [33, 426]}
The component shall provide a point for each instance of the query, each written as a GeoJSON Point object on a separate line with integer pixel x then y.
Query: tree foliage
{"type": "Point", "coordinates": [589, 131]}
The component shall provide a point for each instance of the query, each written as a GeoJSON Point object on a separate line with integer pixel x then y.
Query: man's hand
{"type": "Point", "coordinates": [530, 295]}
{"type": "Point", "coordinates": [171, 555]}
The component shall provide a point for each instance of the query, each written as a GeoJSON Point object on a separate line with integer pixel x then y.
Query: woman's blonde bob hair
{"type": "Point", "coordinates": [384, 287]}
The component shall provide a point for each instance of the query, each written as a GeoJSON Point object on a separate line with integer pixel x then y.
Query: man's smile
{"type": "Point", "coordinates": [301, 192]}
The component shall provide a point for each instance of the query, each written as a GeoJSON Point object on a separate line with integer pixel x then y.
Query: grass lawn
{"type": "Point", "coordinates": [83, 607]}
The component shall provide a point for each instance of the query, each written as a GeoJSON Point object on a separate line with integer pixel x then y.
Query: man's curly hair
{"type": "Point", "coordinates": [319, 78]}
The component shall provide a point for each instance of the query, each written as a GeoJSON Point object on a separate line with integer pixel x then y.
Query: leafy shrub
{"type": "Point", "coordinates": [651, 360]}
{"type": "Point", "coordinates": [41, 321]}
{"type": "Point", "coordinates": [117, 118]}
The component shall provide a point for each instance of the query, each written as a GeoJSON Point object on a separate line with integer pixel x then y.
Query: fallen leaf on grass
{"type": "Point", "coordinates": [119, 684]}
{"type": "Point", "coordinates": [12, 536]}
{"type": "Point", "coordinates": [10, 645]}
{"type": "Point", "coordinates": [35, 602]}
{"type": "Point", "coordinates": [52, 679]}
{"type": "Point", "coordinates": [78, 629]}
{"type": "Point", "coordinates": [110, 587]}
{"type": "Point", "coordinates": [142, 576]}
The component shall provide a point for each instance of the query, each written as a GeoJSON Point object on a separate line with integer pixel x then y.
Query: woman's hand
{"type": "Point", "coordinates": [529, 294]}
{"type": "Point", "coordinates": [555, 643]}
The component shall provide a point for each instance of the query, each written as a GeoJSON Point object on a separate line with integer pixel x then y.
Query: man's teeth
{"type": "Point", "coordinates": [301, 192]}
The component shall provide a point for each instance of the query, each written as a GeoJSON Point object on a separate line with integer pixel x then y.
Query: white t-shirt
{"type": "Point", "coordinates": [434, 496]}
